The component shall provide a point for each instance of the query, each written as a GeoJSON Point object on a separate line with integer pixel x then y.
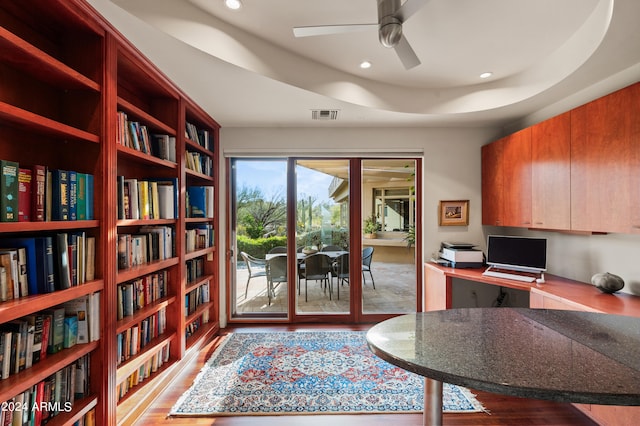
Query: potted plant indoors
{"type": "Point", "coordinates": [370, 227]}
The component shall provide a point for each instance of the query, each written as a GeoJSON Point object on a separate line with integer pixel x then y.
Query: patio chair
{"type": "Point", "coordinates": [340, 270]}
{"type": "Point", "coordinates": [332, 248]}
{"type": "Point", "coordinates": [278, 249]}
{"type": "Point", "coordinates": [276, 274]}
{"type": "Point", "coordinates": [367, 256]}
{"type": "Point", "coordinates": [256, 268]}
{"type": "Point", "coordinates": [316, 268]}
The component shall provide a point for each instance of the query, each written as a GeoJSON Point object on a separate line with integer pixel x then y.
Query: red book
{"type": "Point", "coordinates": [38, 193]}
{"type": "Point", "coordinates": [24, 195]}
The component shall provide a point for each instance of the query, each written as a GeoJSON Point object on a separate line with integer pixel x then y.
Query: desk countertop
{"type": "Point", "coordinates": [585, 296]}
{"type": "Point", "coordinates": [566, 356]}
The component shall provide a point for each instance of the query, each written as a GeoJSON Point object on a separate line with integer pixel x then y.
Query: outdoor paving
{"type": "Point", "coordinates": [395, 292]}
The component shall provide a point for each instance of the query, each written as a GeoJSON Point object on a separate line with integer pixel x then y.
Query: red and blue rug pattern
{"type": "Point", "coordinates": [307, 372]}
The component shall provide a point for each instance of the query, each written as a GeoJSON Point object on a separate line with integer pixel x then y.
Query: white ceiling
{"type": "Point", "coordinates": [247, 69]}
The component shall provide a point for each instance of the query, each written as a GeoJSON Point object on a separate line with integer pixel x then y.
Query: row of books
{"type": "Point", "coordinates": [135, 295]}
{"type": "Point", "coordinates": [143, 372]}
{"type": "Point", "coordinates": [147, 198]}
{"type": "Point", "coordinates": [202, 137]}
{"type": "Point", "coordinates": [195, 268]}
{"type": "Point", "coordinates": [195, 325]}
{"type": "Point", "coordinates": [150, 244]}
{"type": "Point", "coordinates": [133, 339]}
{"type": "Point", "coordinates": [54, 395]}
{"type": "Point", "coordinates": [200, 201]}
{"type": "Point", "coordinates": [28, 340]}
{"type": "Point", "coordinates": [39, 265]}
{"type": "Point", "coordinates": [199, 237]}
{"type": "Point", "coordinates": [198, 162]}
{"type": "Point", "coordinates": [37, 193]}
{"type": "Point", "coordinates": [195, 298]}
{"type": "Point", "coordinates": [134, 135]}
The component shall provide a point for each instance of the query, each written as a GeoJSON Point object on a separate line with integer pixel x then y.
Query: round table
{"type": "Point", "coordinates": [565, 356]}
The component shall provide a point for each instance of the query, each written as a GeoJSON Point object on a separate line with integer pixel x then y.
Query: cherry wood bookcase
{"type": "Point", "coordinates": [65, 74]}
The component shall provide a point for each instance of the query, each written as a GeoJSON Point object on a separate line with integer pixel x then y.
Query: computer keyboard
{"type": "Point", "coordinates": [508, 276]}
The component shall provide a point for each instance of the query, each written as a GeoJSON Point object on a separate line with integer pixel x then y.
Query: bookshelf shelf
{"type": "Point", "coordinates": [144, 116]}
{"type": "Point", "coordinates": [43, 125]}
{"type": "Point", "coordinates": [80, 408]}
{"type": "Point", "coordinates": [198, 282]}
{"type": "Point", "coordinates": [11, 227]}
{"type": "Point", "coordinates": [31, 304]}
{"type": "Point", "coordinates": [200, 176]}
{"type": "Point", "coordinates": [22, 381]}
{"type": "Point", "coordinates": [142, 222]}
{"type": "Point", "coordinates": [199, 253]}
{"type": "Point", "coordinates": [146, 159]}
{"type": "Point", "coordinates": [152, 308]}
{"type": "Point", "coordinates": [199, 310]}
{"type": "Point", "coordinates": [205, 330]}
{"type": "Point", "coordinates": [40, 65]}
{"type": "Point", "coordinates": [147, 268]}
{"type": "Point", "coordinates": [130, 366]}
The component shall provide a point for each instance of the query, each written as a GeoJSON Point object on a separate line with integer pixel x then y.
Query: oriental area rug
{"type": "Point", "coordinates": [307, 372]}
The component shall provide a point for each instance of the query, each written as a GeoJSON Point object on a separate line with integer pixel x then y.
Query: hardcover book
{"type": "Point", "coordinates": [38, 192]}
{"type": "Point", "coordinates": [24, 195]}
{"type": "Point", "coordinates": [60, 195]}
{"type": "Point", "coordinates": [8, 191]}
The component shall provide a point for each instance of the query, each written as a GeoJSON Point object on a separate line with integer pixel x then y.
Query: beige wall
{"type": "Point", "coordinates": [451, 171]}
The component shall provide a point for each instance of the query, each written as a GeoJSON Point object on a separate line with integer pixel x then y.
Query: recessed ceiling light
{"type": "Point", "coordinates": [233, 4]}
{"type": "Point", "coordinates": [365, 65]}
{"type": "Point", "coordinates": [486, 74]}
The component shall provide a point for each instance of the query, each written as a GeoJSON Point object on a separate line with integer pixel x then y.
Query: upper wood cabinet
{"type": "Point", "coordinates": [550, 173]}
{"type": "Point", "coordinates": [492, 197]}
{"type": "Point", "coordinates": [516, 171]}
{"type": "Point", "coordinates": [604, 163]}
{"type": "Point", "coordinates": [578, 171]}
{"type": "Point", "coordinates": [506, 181]}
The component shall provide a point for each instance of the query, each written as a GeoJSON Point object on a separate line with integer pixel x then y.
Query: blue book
{"type": "Point", "coordinates": [197, 201]}
{"type": "Point", "coordinates": [60, 195]}
{"type": "Point", "coordinates": [39, 277]}
{"type": "Point", "coordinates": [46, 264]}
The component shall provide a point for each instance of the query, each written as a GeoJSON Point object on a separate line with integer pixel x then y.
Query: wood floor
{"type": "Point", "coordinates": [503, 410]}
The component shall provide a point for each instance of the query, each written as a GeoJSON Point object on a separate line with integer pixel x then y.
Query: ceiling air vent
{"type": "Point", "coordinates": [324, 114]}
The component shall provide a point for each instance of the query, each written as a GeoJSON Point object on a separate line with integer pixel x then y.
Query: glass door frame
{"type": "Point", "coordinates": [355, 314]}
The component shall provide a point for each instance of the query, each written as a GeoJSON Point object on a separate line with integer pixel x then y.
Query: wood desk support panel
{"type": "Point", "coordinates": [555, 293]}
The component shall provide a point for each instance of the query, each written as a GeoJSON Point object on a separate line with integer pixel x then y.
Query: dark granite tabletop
{"type": "Point", "coordinates": [566, 356]}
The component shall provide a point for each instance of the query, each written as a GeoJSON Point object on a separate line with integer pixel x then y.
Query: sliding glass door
{"type": "Point", "coordinates": [301, 251]}
{"type": "Point", "coordinates": [322, 236]}
{"type": "Point", "coordinates": [258, 217]}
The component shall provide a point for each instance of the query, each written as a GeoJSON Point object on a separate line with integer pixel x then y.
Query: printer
{"type": "Point", "coordinates": [460, 255]}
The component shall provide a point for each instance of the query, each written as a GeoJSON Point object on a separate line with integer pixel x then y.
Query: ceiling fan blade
{"type": "Point", "coordinates": [409, 8]}
{"type": "Point", "coordinates": [406, 54]}
{"type": "Point", "coordinates": [331, 29]}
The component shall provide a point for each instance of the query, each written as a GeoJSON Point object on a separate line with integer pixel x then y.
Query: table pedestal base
{"type": "Point", "coordinates": [432, 402]}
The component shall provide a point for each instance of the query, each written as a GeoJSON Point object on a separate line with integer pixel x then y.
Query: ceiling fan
{"type": "Point", "coordinates": [391, 15]}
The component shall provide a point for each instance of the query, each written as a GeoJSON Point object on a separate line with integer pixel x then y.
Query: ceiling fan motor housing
{"type": "Point", "coordinates": [390, 27]}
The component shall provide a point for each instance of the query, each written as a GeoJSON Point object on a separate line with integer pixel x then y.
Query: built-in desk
{"type": "Point", "coordinates": [555, 293]}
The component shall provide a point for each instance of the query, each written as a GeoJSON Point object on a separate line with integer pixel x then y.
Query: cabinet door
{"type": "Point", "coordinates": [516, 169]}
{"type": "Point", "coordinates": [551, 173]}
{"type": "Point", "coordinates": [492, 200]}
{"type": "Point", "coordinates": [603, 163]}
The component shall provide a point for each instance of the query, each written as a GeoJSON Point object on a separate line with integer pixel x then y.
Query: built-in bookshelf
{"type": "Point", "coordinates": [98, 149]}
{"type": "Point", "coordinates": [201, 256]}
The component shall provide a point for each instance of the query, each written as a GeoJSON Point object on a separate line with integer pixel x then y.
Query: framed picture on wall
{"type": "Point", "coordinates": [453, 213]}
